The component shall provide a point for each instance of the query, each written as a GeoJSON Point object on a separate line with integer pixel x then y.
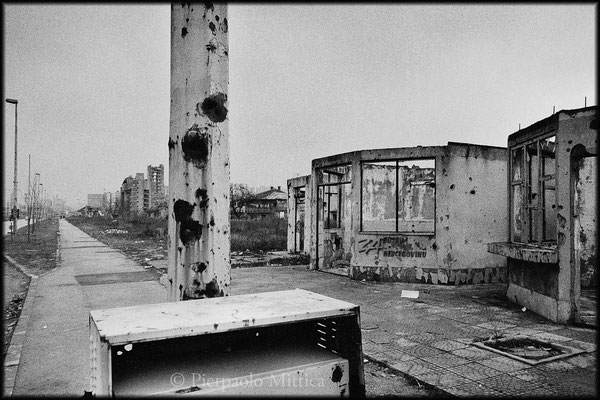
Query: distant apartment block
{"type": "Point", "coordinates": [156, 182]}
{"type": "Point", "coordinates": [135, 194]}
{"type": "Point", "coordinates": [95, 200]}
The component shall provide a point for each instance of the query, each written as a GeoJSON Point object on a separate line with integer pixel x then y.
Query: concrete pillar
{"type": "Point", "coordinates": [198, 244]}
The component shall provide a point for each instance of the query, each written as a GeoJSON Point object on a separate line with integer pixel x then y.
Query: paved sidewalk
{"type": "Point", "coordinates": [55, 355]}
{"type": "Point", "coordinates": [429, 338]}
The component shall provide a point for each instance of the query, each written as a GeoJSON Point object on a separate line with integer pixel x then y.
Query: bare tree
{"type": "Point", "coordinates": [239, 194]}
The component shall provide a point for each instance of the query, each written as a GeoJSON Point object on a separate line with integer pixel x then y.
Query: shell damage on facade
{"type": "Point", "coordinates": [552, 187]}
{"type": "Point", "coordinates": [419, 214]}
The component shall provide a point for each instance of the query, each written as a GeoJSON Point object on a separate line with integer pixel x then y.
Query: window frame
{"type": "Point", "coordinates": [532, 212]}
{"type": "Point", "coordinates": [397, 221]}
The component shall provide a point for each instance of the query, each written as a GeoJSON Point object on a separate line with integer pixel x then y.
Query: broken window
{"type": "Point", "coordinates": [533, 199]}
{"type": "Point", "coordinates": [333, 192]}
{"type": "Point", "coordinates": [398, 196]}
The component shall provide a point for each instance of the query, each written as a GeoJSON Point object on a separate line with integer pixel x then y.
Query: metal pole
{"type": "Point", "coordinates": [14, 212]}
{"type": "Point", "coordinates": [28, 197]}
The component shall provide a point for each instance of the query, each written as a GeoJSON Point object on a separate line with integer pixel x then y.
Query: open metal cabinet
{"type": "Point", "coordinates": [292, 342]}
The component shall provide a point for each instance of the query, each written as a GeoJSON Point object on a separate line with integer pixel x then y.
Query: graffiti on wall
{"type": "Point", "coordinates": [390, 246]}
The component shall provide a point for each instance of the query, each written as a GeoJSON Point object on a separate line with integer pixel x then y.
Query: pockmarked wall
{"type": "Point", "coordinates": [551, 252]}
{"type": "Point", "coordinates": [420, 214]}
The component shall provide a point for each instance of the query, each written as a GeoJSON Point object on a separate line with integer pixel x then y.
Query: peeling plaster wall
{"type": "Point", "coordinates": [470, 211]}
{"type": "Point", "coordinates": [586, 236]}
{"type": "Point", "coordinates": [470, 204]}
{"type": "Point", "coordinates": [553, 289]}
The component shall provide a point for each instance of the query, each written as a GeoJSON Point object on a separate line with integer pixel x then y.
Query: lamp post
{"type": "Point", "coordinates": [40, 204]}
{"type": "Point", "coordinates": [14, 208]}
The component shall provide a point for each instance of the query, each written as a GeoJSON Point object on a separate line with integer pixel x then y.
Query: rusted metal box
{"type": "Point", "coordinates": [292, 342]}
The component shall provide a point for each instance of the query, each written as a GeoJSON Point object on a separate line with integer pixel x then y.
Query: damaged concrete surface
{"type": "Point", "coordinates": [428, 338]}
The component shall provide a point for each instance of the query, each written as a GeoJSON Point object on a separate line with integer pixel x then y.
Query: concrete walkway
{"type": "Point", "coordinates": [55, 355]}
{"type": "Point", "coordinates": [429, 337]}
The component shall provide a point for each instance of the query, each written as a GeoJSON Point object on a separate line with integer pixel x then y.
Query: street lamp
{"type": "Point", "coordinates": [14, 210]}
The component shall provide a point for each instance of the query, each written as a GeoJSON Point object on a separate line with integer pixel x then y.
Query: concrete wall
{"type": "Point", "coordinates": [294, 185]}
{"type": "Point", "coordinates": [552, 288]}
{"type": "Point", "coordinates": [470, 210]}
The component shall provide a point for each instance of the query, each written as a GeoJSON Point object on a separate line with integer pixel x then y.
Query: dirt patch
{"type": "Point", "coordinates": [526, 348]}
{"type": "Point", "coordinates": [529, 350]}
{"type": "Point", "coordinates": [37, 255]}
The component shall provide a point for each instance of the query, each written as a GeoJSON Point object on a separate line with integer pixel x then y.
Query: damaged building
{"type": "Point", "coordinates": [415, 214]}
{"type": "Point", "coordinates": [552, 185]}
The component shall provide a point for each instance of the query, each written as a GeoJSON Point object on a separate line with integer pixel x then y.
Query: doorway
{"type": "Point", "coordinates": [585, 171]}
{"type": "Point", "coordinates": [333, 219]}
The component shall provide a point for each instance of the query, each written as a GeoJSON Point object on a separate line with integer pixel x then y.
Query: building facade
{"type": "Point", "coordinates": [95, 200]}
{"type": "Point", "coordinates": [417, 214]}
{"type": "Point", "coordinates": [135, 194]}
{"type": "Point", "coordinates": [552, 186]}
{"type": "Point", "coordinates": [156, 183]}
{"type": "Point", "coordinates": [272, 202]}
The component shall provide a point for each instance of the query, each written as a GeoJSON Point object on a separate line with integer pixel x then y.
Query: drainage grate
{"type": "Point", "coordinates": [119, 277]}
{"type": "Point", "coordinates": [529, 350]}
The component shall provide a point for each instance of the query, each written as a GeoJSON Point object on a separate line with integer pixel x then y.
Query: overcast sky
{"type": "Point", "coordinates": [306, 81]}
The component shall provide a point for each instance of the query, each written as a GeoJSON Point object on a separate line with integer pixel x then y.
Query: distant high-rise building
{"type": "Point", "coordinates": [94, 200]}
{"type": "Point", "coordinates": [135, 194]}
{"type": "Point", "coordinates": [156, 183]}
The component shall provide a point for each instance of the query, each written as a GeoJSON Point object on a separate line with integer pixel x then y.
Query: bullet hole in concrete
{"type": "Point", "coordinates": [182, 210]}
{"type": "Point", "coordinates": [190, 231]}
{"type": "Point", "coordinates": [201, 194]}
{"type": "Point", "coordinates": [212, 27]}
{"type": "Point", "coordinates": [470, 179]}
{"type": "Point", "coordinates": [337, 374]}
{"type": "Point", "coordinates": [568, 149]}
{"type": "Point", "coordinates": [183, 31]}
{"type": "Point", "coordinates": [472, 191]}
{"type": "Point", "coordinates": [212, 221]}
{"type": "Point", "coordinates": [224, 26]}
{"type": "Point", "coordinates": [216, 326]}
{"type": "Point", "coordinates": [195, 146]}
{"type": "Point", "coordinates": [211, 46]}
{"type": "Point", "coordinates": [171, 144]}
{"type": "Point", "coordinates": [180, 249]}
{"type": "Point", "coordinates": [217, 18]}
{"type": "Point", "coordinates": [199, 267]}
{"type": "Point", "coordinates": [452, 187]}
{"type": "Point", "coordinates": [171, 281]}
{"type": "Point", "coordinates": [434, 246]}
{"type": "Point", "coordinates": [569, 141]}
{"type": "Point", "coordinates": [212, 289]}
{"type": "Point", "coordinates": [214, 107]}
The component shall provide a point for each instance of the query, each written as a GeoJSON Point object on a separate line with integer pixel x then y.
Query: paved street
{"type": "Point", "coordinates": [429, 337]}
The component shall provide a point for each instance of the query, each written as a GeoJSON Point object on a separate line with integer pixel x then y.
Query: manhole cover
{"type": "Point", "coordinates": [529, 350]}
